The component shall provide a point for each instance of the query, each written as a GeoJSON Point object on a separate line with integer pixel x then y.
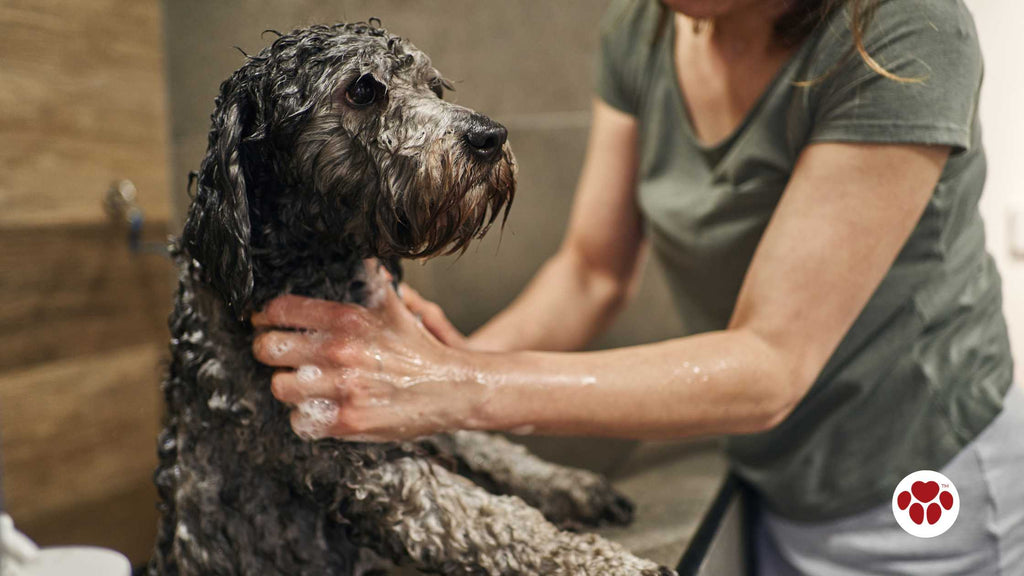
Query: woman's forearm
{"type": "Point", "coordinates": [563, 308]}
{"type": "Point", "coordinates": [727, 382]}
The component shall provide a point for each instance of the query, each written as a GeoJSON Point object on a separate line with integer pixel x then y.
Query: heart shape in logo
{"type": "Point", "coordinates": [925, 491]}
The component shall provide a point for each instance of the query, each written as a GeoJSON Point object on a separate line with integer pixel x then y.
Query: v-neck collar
{"type": "Point", "coordinates": [716, 149]}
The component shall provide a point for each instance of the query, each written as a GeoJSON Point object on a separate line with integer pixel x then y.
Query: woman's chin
{"type": "Point", "coordinates": [711, 9]}
{"type": "Point", "coordinates": [700, 9]}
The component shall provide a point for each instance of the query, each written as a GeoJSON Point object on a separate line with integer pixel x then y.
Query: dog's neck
{"type": "Point", "coordinates": [314, 269]}
{"type": "Point", "coordinates": [294, 258]}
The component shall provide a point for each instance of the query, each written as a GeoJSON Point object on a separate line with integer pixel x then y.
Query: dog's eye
{"type": "Point", "coordinates": [363, 91]}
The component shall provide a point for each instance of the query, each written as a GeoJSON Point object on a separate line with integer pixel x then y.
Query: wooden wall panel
{"type": "Point", "coordinates": [82, 321]}
{"type": "Point", "coordinates": [75, 290]}
{"type": "Point", "coordinates": [80, 432]}
{"type": "Point", "coordinates": [95, 419]}
{"type": "Point", "coordinates": [83, 103]}
{"type": "Point", "coordinates": [123, 521]}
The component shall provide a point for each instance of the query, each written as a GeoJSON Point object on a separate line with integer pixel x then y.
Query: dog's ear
{"type": "Point", "coordinates": [217, 230]}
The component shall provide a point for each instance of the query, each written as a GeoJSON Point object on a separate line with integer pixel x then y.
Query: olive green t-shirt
{"type": "Point", "coordinates": [926, 364]}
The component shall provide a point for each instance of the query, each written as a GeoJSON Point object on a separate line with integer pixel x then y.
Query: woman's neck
{"type": "Point", "coordinates": [743, 31]}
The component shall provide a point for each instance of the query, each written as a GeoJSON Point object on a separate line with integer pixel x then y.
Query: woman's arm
{"type": "Point", "coordinates": [580, 289]}
{"type": "Point", "coordinates": [843, 219]}
{"type": "Point", "coordinates": [845, 215]}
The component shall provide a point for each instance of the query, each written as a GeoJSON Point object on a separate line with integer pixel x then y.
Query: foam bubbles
{"type": "Point", "coordinates": [308, 373]}
{"type": "Point", "coordinates": [314, 417]}
{"type": "Point", "coordinates": [280, 348]}
{"type": "Point", "coordinates": [218, 401]}
{"type": "Point", "coordinates": [378, 281]}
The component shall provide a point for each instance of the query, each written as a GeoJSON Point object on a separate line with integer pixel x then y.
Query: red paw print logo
{"type": "Point", "coordinates": [925, 504]}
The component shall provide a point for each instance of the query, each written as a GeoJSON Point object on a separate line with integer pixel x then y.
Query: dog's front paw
{"type": "Point", "coordinates": [584, 498]}
{"type": "Point", "coordinates": [606, 505]}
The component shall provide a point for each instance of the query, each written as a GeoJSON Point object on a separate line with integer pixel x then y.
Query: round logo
{"type": "Point", "coordinates": [925, 504]}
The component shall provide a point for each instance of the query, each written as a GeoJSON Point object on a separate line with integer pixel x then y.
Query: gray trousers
{"type": "Point", "coordinates": [986, 540]}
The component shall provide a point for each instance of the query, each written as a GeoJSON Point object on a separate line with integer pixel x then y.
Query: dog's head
{"type": "Point", "coordinates": [340, 134]}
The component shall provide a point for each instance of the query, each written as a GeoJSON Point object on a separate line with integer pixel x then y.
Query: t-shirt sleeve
{"type": "Point", "coordinates": [933, 46]}
{"type": "Point", "coordinates": [624, 34]}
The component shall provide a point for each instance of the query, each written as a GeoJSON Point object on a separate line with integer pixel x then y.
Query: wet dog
{"type": "Point", "coordinates": [331, 148]}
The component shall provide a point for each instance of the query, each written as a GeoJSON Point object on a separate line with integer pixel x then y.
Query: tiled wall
{"type": "Point", "coordinates": [527, 64]}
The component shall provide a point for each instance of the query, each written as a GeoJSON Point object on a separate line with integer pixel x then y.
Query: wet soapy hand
{"type": "Point", "coordinates": [369, 374]}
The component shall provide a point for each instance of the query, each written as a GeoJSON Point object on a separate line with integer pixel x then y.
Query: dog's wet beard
{"type": "Point", "coordinates": [450, 204]}
{"type": "Point", "coordinates": [433, 201]}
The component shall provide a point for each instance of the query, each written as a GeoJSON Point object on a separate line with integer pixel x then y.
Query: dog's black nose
{"type": "Point", "coordinates": [485, 137]}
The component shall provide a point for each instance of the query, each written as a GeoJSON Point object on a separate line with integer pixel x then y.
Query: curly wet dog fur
{"type": "Point", "coordinates": [330, 147]}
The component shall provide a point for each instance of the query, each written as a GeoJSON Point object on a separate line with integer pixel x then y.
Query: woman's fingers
{"type": "Point", "coordinates": [290, 311]}
{"type": "Point", "coordinates": [393, 306]}
{"type": "Point", "coordinates": [413, 299]}
{"type": "Point", "coordinates": [308, 381]}
{"type": "Point", "coordinates": [315, 418]}
{"type": "Point", "coordinates": [433, 317]}
{"type": "Point", "coordinates": [340, 408]}
{"type": "Point", "coordinates": [285, 349]}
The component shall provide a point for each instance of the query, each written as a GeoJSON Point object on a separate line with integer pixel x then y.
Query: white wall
{"type": "Point", "coordinates": [1001, 29]}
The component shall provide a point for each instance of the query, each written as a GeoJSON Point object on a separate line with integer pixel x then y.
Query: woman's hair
{"type": "Point", "coordinates": [803, 16]}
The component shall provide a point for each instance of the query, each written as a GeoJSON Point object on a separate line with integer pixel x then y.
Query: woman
{"type": "Point", "coordinates": [808, 174]}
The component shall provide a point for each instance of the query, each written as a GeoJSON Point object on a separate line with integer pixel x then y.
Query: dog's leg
{"type": "Point", "coordinates": [566, 496]}
{"type": "Point", "coordinates": [416, 509]}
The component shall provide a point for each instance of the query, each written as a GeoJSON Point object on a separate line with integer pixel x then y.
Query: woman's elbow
{"type": "Point", "coordinates": [616, 294]}
{"type": "Point", "coordinates": [784, 383]}
{"type": "Point", "coordinates": [607, 289]}
{"type": "Point", "coordinates": [777, 409]}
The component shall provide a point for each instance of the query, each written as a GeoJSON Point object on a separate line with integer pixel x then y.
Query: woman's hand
{"type": "Point", "coordinates": [364, 374]}
{"type": "Point", "coordinates": [433, 318]}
